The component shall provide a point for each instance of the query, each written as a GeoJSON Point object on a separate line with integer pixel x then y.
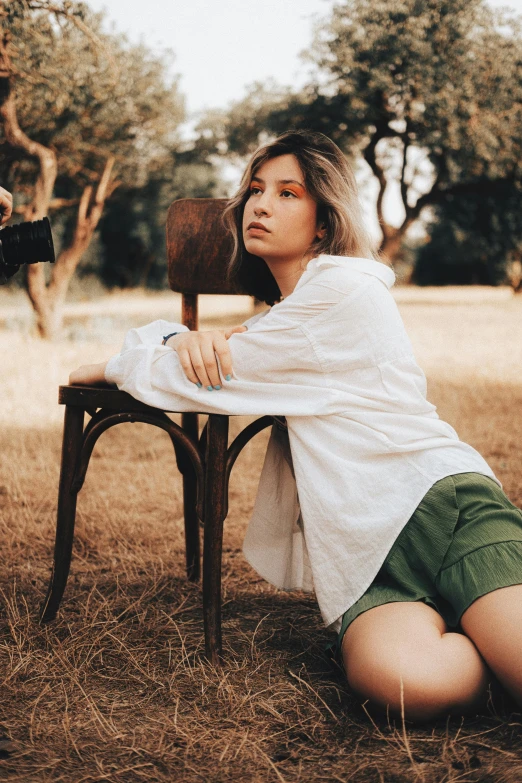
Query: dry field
{"type": "Point", "coordinates": [117, 689]}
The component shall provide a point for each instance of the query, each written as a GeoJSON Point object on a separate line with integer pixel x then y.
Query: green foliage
{"type": "Point", "coordinates": [132, 230]}
{"type": "Point", "coordinates": [429, 92]}
{"type": "Point", "coordinates": [471, 239]}
{"type": "Point", "coordinates": [90, 95]}
{"type": "Point", "coordinates": [444, 76]}
{"type": "Point", "coordinates": [238, 130]}
{"type": "Point", "coordinates": [88, 99]}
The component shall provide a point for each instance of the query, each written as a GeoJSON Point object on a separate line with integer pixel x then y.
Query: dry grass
{"type": "Point", "coordinates": [116, 689]}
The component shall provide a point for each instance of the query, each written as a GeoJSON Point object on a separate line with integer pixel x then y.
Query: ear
{"type": "Point", "coordinates": [321, 231]}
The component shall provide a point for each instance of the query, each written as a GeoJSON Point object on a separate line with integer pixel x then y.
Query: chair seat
{"type": "Point", "coordinates": [110, 397]}
{"type": "Point", "coordinates": [99, 397]}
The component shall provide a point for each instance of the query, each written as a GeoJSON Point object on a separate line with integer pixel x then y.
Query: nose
{"type": "Point", "coordinates": [263, 206]}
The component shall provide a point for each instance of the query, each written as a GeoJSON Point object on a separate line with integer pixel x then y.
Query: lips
{"type": "Point", "coordinates": [258, 225]}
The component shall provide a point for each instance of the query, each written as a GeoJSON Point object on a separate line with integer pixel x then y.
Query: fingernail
{"type": "Point", "coordinates": [218, 387]}
{"type": "Point", "coordinates": [199, 384]}
{"type": "Point", "coordinates": [209, 388]}
{"type": "Point", "coordinates": [228, 377]}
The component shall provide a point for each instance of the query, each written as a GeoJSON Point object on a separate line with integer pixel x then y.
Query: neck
{"type": "Point", "coordinates": [287, 273]}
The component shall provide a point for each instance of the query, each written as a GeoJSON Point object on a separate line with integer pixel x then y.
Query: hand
{"type": "Point", "coordinates": [6, 205]}
{"type": "Point", "coordinates": [197, 353]}
{"type": "Point", "coordinates": [88, 375]}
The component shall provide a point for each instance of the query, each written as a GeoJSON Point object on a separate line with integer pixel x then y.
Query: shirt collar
{"type": "Point", "coordinates": [367, 266]}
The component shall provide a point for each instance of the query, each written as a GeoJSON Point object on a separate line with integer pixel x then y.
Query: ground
{"type": "Point", "coordinates": [117, 689]}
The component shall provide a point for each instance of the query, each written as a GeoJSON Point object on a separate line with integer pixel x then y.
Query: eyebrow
{"type": "Point", "coordinates": [280, 182]}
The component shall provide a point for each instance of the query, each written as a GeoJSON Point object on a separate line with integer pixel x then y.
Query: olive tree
{"type": "Point", "coordinates": [82, 112]}
{"type": "Point", "coordinates": [428, 92]}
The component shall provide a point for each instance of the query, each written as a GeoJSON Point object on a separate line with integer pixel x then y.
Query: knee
{"type": "Point", "coordinates": [417, 698]}
{"type": "Point", "coordinates": [422, 689]}
{"type": "Point", "coordinates": [423, 699]}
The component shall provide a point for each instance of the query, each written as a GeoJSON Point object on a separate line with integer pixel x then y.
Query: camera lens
{"type": "Point", "coordinates": [27, 243]}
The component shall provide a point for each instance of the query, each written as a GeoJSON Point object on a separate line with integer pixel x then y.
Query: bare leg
{"type": "Point", "coordinates": [405, 648]}
{"type": "Point", "coordinates": [494, 623]}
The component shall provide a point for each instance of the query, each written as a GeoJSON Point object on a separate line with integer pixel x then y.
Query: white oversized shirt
{"type": "Point", "coordinates": [363, 444]}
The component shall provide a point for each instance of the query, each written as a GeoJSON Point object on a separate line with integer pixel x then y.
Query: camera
{"type": "Point", "coordinates": [25, 243]}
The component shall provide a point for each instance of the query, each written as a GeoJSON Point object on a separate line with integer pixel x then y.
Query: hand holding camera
{"type": "Point", "coordinates": [6, 206]}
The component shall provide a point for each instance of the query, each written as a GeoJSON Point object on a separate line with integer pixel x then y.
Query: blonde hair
{"type": "Point", "coordinates": [329, 180]}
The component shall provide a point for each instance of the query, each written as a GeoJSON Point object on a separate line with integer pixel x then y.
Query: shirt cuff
{"type": "Point", "coordinates": [111, 370]}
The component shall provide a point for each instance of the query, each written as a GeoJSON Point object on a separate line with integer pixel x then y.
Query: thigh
{"type": "Point", "coordinates": [401, 656]}
{"type": "Point", "coordinates": [389, 638]}
{"type": "Point", "coordinates": [494, 623]}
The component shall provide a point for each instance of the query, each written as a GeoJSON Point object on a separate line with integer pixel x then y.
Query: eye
{"type": "Point", "coordinates": [289, 192]}
{"type": "Point", "coordinates": [254, 187]}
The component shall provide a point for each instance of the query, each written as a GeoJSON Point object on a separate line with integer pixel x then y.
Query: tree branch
{"type": "Point", "coordinates": [84, 206]}
{"type": "Point", "coordinates": [371, 159]}
{"type": "Point", "coordinates": [60, 203]}
{"type": "Point", "coordinates": [403, 184]}
{"type": "Point", "coordinates": [89, 215]}
{"type": "Point", "coordinates": [47, 300]}
{"type": "Point", "coordinates": [15, 136]}
{"type": "Point", "coordinates": [43, 189]}
{"type": "Point", "coordinates": [103, 192]}
{"type": "Point", "coordinates": [43, 5]}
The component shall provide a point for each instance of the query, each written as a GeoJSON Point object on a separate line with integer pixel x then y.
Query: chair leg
{"type": "Point", "coordinates": [189, 422]}
{"type": "Point", "coordinates": [192, 546]}
{"type": "Point", "coordinates": [71, 448]}
{"type": "Point", "coordinates": [214, 515]}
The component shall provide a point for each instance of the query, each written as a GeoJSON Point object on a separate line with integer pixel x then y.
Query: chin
{"type": "Point", "coordinates": [254, 248]}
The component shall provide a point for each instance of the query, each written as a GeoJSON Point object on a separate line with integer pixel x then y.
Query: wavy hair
{"type": "Point", "coordinates": [329, 180]}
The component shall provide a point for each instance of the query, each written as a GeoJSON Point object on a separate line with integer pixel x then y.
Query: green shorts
{"type": "Point", "coordinates": [463, 541]}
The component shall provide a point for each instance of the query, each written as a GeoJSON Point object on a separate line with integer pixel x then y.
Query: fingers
{"type": "Point", "coordinates": [6, 205]}
{"type": "Point", "coordinates": [197, 362]}
{"type": "Point", "coordinates": [233, 329]}
{"type": "Point", "coordinates": [185, 359]}
{"type": "Point", "coordinates": [222, 352]}
{"type": "Point", "coordinates": [203, 354]}
{"type": "Point", "coordinates": [210, 368]}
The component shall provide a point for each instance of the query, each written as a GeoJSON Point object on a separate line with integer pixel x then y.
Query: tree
{"type": "Point", "coordinates": [88, 104]}
{"type": "Point", "coordinates": [471, 239]}
{"type": "Point", "coordinates": [132, 230]}
{"type": "Point", "coordinates": [429, 92]}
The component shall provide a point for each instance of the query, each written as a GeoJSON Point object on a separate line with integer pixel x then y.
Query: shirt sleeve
{"type": "Point", "coordinates": [275, 366]}
{"type": "Point", "coordinates": [150, 334]}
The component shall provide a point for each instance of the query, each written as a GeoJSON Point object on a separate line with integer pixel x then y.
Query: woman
{"type": "Point", "coordinates": [403, 530]}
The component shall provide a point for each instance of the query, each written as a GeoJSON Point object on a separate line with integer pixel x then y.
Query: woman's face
{"type": "Point", "coordinates": [280, 203]}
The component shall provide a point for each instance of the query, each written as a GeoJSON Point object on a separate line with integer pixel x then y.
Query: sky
{"type": "Point", "coordinates": [221, 46]}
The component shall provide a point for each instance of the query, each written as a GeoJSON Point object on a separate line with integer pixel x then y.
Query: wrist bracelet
{"type": "Point", "coordinates": [164, 341]}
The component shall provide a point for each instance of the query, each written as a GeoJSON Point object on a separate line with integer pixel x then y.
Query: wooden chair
{"type": "Point", "coordinates": [198, 249]}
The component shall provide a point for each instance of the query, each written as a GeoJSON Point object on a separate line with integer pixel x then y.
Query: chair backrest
{"type": "Point", "coordinates": [198, 251]}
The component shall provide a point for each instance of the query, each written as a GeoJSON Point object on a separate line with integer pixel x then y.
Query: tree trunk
{"type": "Point", "coordinates": [391, 243]}
{"type": "Point", "coordinates": [44, 185]}
{"type": "Point", "coordinates": [514, 273]}
{"type": "Point", "coordinates": [392, 240]}
{"type": "Point", "coordinates": [47, 301]}
{"type": "Point", "coordinates": [50, 318]}
{"type": "Point", "coordinates": [391, 236]}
